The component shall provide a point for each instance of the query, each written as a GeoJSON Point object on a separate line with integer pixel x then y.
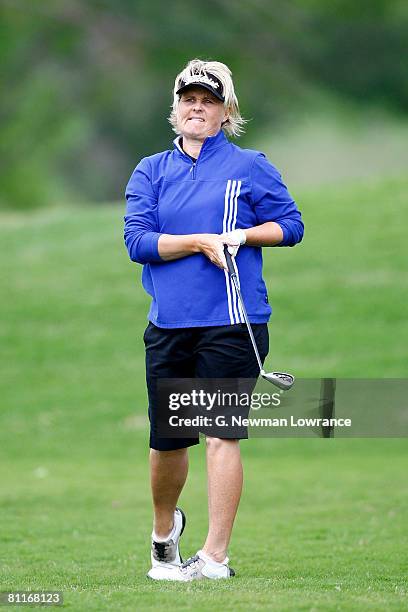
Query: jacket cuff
{"type": "Point", "coordinates": [286, 235]}
{"type": "Point", "coordinates": [148, 249]}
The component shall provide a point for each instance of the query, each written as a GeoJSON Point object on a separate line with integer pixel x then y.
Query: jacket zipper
{"type": "Point", "coordinates": [193, 170]}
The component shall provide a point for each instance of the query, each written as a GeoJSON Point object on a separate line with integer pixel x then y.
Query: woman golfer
{"type": "Point", "coordinates": [183, 205]}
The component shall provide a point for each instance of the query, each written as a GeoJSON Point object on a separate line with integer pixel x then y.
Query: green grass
{"type": "Point", "coordinates": [322, 523]}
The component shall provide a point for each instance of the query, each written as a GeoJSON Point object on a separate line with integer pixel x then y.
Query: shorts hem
{"type": "Point", "coordinates": [169, 444]}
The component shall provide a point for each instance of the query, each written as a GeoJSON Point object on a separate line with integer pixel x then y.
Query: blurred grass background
{"type": "Point", "coordinates": [86, 92]}
{"type": "Point", "coordinates": [86, 87]}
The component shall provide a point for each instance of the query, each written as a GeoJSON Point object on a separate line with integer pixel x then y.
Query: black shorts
{"type": "Point", "coordinates": [198, 352]}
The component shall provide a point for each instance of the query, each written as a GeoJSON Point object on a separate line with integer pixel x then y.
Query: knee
{"type": "Point", "coordinates": [216, 444]}
{"type": "Point", "coordinates": [177, 452]}
{"type": "Point", "coordinates": [169, 456]}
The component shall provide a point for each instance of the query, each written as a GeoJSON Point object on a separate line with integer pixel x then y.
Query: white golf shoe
{"type": "Point", "coordinates": [165, 554]}
{"type": "Point", "coordinates": [200, 567]}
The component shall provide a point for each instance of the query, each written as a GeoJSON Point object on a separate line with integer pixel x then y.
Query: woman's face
{"type": "Point", "coordinates": [199, 114]}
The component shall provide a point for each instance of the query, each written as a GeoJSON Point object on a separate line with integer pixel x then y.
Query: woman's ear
{"type": "Point", "coordinates": [226, 115]}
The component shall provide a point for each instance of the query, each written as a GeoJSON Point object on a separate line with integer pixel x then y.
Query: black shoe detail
{"type": "Point", "coordinates": [184, 521]}
{"type": "Point", "coordinates": [160, 548]}
{"type": "Point", "coordinates": [190, 561]}
{"type": "Point", "coordinates": [232, 573]}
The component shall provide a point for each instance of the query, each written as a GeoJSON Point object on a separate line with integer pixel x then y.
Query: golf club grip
{"type": "Point", "coordinates": [228, 257]}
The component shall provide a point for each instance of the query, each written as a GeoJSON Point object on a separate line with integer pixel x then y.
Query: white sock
{"type": "Point", "coordinates": [156, 538]}
{"type": "Point", "coordinates": [211, 561]}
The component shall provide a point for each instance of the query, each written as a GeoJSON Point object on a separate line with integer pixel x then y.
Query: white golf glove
{"type": "Point", "coordinates": [234, 240]}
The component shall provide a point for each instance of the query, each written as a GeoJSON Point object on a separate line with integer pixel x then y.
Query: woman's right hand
{"type": "Point", "coordinates": [212, 246]}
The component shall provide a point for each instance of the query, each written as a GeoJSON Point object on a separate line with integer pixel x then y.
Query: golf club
{"type": "Point", "coordinates": [282, 380]}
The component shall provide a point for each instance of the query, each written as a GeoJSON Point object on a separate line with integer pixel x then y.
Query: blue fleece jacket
{"type": "Point", "coordinates": [226, 188]}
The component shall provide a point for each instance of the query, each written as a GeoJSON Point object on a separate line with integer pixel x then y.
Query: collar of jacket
{"type": "Point", "coordinates": [209, 145]}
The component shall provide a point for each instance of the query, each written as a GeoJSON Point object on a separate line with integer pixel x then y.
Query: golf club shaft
{"type": "Point", "coordinates": [233, 276]}
{"type": "Point", "coordinates": [251, 333]}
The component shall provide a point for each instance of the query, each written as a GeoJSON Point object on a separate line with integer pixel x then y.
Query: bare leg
{"type": "Point", "coordinates": [224, 474]}
{"type": "Point", "coordinates": [168, 473]}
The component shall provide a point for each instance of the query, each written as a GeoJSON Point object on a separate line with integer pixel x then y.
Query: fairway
{"type": "Point", "coordinates": [322, 523]}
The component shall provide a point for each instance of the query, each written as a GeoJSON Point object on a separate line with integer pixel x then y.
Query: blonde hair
{"type": "Point", "coordinates": [234, 125]}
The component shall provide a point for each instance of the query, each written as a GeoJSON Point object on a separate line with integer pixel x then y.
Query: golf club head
{"type": "Point", "coordinates": [280, 379]}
